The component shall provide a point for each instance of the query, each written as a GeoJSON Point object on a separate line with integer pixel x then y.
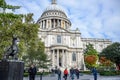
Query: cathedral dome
{"type": "Point", "coordinates": [54, 16]}
{"type": "Point", "coordinates": [54, 10]}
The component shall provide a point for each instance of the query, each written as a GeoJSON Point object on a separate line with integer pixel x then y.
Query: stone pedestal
{"type": "Point", "coordinates": [11, 70]}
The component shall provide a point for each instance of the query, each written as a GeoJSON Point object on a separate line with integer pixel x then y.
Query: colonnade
{"type": "Point", "coordinates": [52, 23]}
{"type": "Point", "coordinates": [59, 58]}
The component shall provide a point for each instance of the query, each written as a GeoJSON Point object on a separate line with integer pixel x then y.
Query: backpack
{"type": "Point", "coordinates": [59, 72]}
{"type": "Point", "coordinates": [65, 72]}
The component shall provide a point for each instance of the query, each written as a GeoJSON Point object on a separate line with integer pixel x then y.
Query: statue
{"type": "Point", "coordinates": [12, 50]}
{"type": "Point", "coordinates": [10, 67]}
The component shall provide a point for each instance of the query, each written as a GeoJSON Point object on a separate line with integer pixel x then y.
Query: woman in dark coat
{"type": "Point", "coordinates": [32, 72]}
{"type": "Point", "coordinates": [94, 71]}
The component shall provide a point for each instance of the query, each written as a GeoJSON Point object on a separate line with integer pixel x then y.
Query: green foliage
{"type": "Point", "coordinates": [38, 73]}
{"type": "Point", "coordinates": [5, 6]}
{"type": "Point", "coordinates": [112, 52]}
{"type": "Point", "coordinates": [90, 51]}
{"type": "Point", "coordinates": [36, 55]}
{"type": "Point", "coordinates": [10, 26]}
{"type": "Point", "coordinates": [109, 73]}
{"type": "Point", "coordinates": [31, 49]}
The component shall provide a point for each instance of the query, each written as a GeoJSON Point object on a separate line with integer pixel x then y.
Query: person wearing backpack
{"type": "Point", "coordinates": [65, 74]}
{"type": "Point", "coordinates": [94, 71]}
{"type": "Point", "coordinates": [77, 73]}
{"type": "Point", "coordinates": [72, 72]}
{"type": "Point", "coordinates": [59, 74]}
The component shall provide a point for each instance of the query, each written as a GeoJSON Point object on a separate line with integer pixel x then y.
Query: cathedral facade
{"type": "Point", "coordinates": [64, 47]}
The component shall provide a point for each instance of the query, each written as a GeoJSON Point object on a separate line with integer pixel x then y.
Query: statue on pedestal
{"type": "Point", "coordinates": [12, 50]}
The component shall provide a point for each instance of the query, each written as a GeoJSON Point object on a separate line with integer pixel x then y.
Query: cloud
{"type": "Point", "coordinates": [94, 18]}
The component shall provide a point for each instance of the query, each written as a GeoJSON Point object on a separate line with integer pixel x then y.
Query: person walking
{"type": "Point", "coordinates": [77, 73]}
{"type": "Point", "coordinates": [72, 72]}
{"type": "Point", "coordinates": [32, 72]}
{"type": "Point", "coordinates": [41, 74]}
{"type": "Point", "coordinates": [65, 74]}
{"type": "Point", "coordinates": [59, 74]}
{"type": "Point", "coordinates": [94, 71]}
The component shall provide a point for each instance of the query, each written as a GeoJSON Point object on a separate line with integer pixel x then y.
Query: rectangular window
{"type": "Point", "coordinates": [73, 56]}
{"type": "Point", "coordinates": [58, 39]}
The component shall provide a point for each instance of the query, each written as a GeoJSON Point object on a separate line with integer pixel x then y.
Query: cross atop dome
{"type": "Point", "coordinates": [53, 2]}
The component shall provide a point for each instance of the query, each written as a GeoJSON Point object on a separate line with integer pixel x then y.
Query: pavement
{"type": "Point", "coordinates": [82, 77]}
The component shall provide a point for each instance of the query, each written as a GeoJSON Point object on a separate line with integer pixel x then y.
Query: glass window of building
{"type": "Point", "coordinates": [58, 39]}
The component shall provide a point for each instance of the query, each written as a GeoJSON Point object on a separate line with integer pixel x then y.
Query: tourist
{"type": "Point", "coordinates": [59, 74]}
{"type": "Point", "coordinates": [94, 71]}
{"type": "Point", "coordinates": [65, 74]}
{"type": "Point", "coordinates": [72, 72]}
{"type": "Point", "coordinates": [77, 72]}
{"type": "Point", "coordinates": [32, 72]}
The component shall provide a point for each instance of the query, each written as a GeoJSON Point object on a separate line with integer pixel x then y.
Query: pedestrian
{"type": "Point", "coordinates": [72, 72]}
{"type": "Point", "coordinates": [59, 74]}
{"type": "Point", "coordinates": [65, 74]}
{"type": "Point", "coordinates": [77, 73]}
{"type": "Point", "coordinates": [94, 71]}
{"type": "Point", "coordinates": [41, 74]}
{"type": "Point", "coordinates": [32, 72]}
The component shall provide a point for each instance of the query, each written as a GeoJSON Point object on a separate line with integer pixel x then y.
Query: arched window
{"type": "Point", "coordinates": [58, 39]}
{"type": "Point", "coordinates": [73, 56]}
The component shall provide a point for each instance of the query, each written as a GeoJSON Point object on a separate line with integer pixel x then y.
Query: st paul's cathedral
{"type": "Point", "coordinates": [65, 47]}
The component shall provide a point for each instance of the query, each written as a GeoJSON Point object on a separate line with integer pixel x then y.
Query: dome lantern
{"type": "Point", "coordinates": [53, 2]}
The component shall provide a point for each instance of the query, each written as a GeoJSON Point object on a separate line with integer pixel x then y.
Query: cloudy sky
{"type": "Point", "coordinates": [94, 18]}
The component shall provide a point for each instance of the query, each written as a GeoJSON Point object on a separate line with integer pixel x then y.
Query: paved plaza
{"type": "Point", "coordinates": [84, 77]}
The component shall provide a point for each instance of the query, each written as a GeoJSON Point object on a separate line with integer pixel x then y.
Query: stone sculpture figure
{"type": "Point", "coordinates": [12, 50]}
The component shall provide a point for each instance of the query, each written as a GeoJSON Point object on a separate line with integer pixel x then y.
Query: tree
{"type": "Point", "coordinates": [91, 56]}
{"type": "Point", "coordinates": [30, 47]}
{"type": "Point", "coordinates": [12, 24]}
{"type": "Point", "coordinates": [6, 20]}
{"type": "Point", "coordinates": [105, 64]}
{"type": "Point", "coordinates": [112, 52]}
{"type": "Point", "coordinates": [90, 60]}
{"type": "Point", "coordinates": [37, 56]}
{"type": "Point", "coordinates": [90, 50]}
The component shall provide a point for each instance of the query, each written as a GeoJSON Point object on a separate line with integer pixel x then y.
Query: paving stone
{"type": "Point", "coordinates": [84, 77]}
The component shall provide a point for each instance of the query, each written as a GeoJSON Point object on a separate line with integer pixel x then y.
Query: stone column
{"type": "Point", "coordinates": [77, 59]}
{"type": "Point", "coordinates": [40, 24]}
{"type": "Point", "coordinates": [63, 58]}
{"type": "Point", "coordinates": [57, 57]}
{"type": "Point", "coordinates": [46, 23]}
{"type": "Point", "coordinates": [43, 24]}
{"type": "Point", "coordinates": [51, 23]}
{"type": "Point", "coordinates": [53, 58]}
{"type": "Point", "coordinates": [70, 59]}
